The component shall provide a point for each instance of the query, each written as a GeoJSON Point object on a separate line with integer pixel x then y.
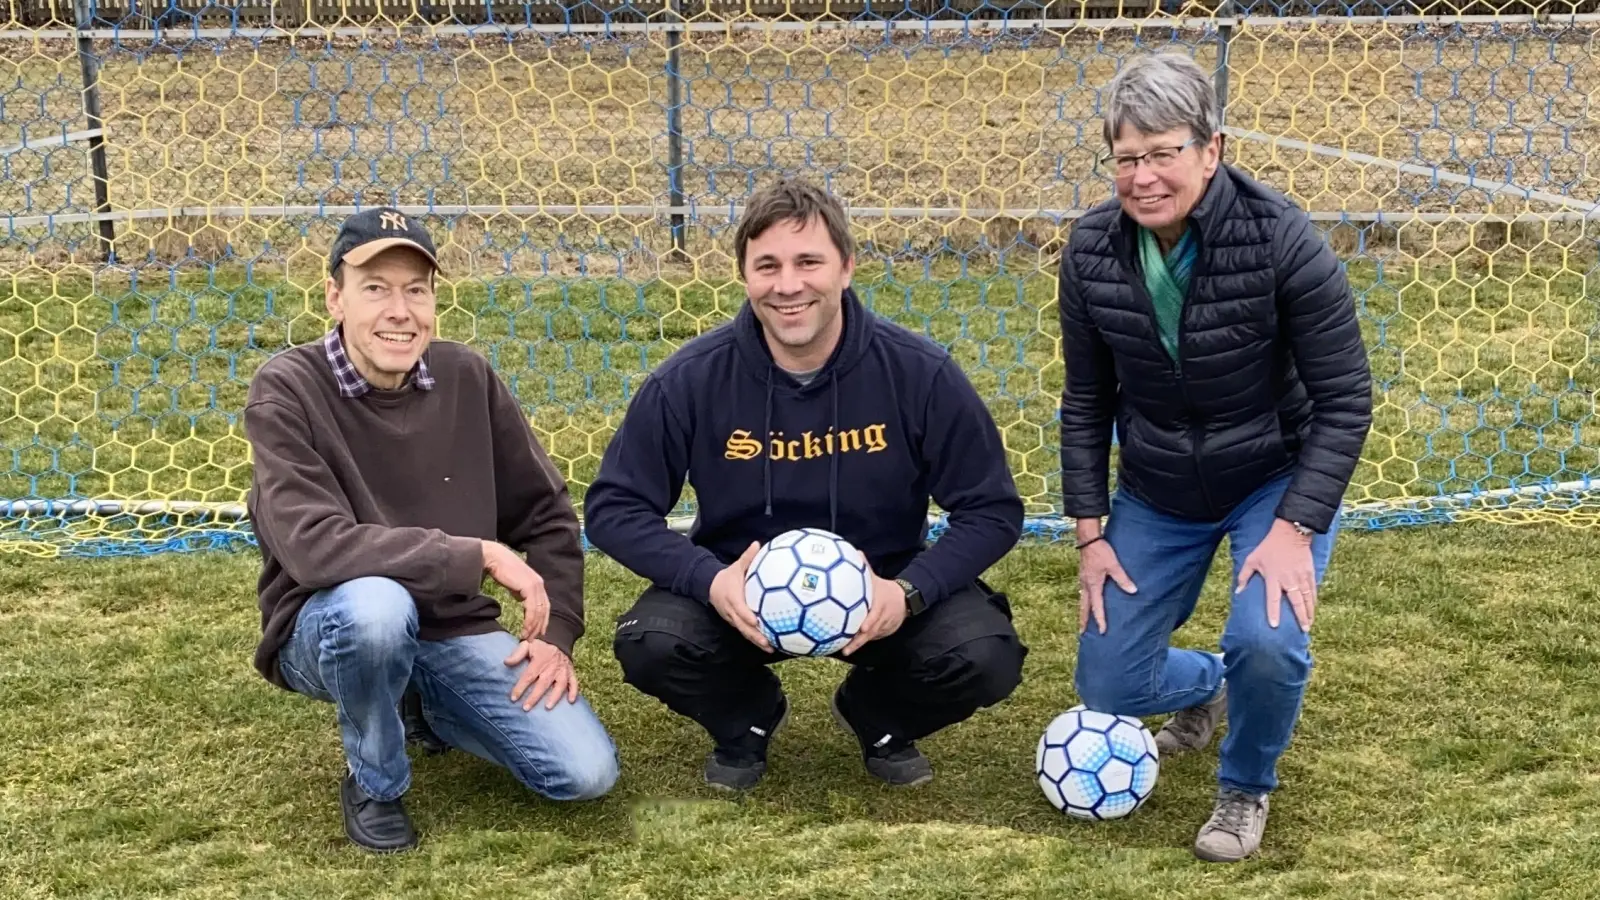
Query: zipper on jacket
{"type": "Point", "coordinates": [1194, 431]}
{"type": "Point", "coordinates": [1201, 268]}
{"type": "Point", "coordinates": [1177, 363]}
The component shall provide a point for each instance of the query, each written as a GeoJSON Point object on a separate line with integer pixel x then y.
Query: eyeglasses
{"type": "Point", "coordinates": [1159, 158]}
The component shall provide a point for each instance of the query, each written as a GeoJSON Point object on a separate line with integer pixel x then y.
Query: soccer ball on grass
{"type": "Point", "coordinates": [1094, 765]}
{"type": "Point", "coordinates": [810, 591]}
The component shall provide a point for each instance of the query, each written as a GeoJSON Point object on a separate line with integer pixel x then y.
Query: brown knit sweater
{"type": "Point", "coordinates": [403, 484]}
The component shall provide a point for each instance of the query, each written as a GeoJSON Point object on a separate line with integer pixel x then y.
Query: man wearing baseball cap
{"type": "Point", "coordinates": [392, 472]}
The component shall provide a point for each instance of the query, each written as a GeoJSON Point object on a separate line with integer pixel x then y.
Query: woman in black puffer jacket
{"type": "Point", "coordinates": [1206, 320]}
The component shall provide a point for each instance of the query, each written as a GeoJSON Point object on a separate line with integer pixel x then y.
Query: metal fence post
{"type": "Point", "coordinates": [675, 128]}
{"type": "Point", "coordinates": [90, 65]}
{"type": "Point", "coordinates": [1225, 12]}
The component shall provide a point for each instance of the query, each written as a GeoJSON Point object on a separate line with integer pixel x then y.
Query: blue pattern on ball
{"type": "Point", "coordinates": [1096, 766]}
{"type": "Point", "coordinates": [809, 590]}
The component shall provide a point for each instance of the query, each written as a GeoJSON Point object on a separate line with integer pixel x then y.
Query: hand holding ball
{"type": "Point", "coordinates": [810, 590]}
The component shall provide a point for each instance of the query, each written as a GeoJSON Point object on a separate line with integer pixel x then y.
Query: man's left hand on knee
{"type": "Point", "coordinates": [549, 674]}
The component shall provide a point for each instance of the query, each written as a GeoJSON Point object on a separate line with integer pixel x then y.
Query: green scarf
{"type": "Point", "coordinates": [1167, 280]}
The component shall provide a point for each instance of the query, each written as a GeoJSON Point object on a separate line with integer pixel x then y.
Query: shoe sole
{"type": "Point", "coordinates": [1181, 749]}
{"type": "Point", "coordinates": [380, 851]}
{"type": "Point", "coordinates": [919, 781]}
{"type": "Point", "coordinates": [721, 788]}
{"type": "Point", "coordinates": [730, 789]}
{"type": "Point", "coordinates": [838, 717]}
{"type": "Point", "coordinates": [1218, 858]}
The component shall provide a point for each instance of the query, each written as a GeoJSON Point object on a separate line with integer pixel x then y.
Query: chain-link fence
{"type": "Point", "coordinates": [173, 175]}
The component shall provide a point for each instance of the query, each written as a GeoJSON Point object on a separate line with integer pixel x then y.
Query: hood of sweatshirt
{"type": "Point", "coordinates": [779, 385]}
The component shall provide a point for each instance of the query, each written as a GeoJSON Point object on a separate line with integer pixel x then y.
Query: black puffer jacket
{"type": "Point", "coordinates": [1274, 374]}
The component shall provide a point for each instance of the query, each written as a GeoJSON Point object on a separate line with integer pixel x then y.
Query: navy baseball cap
{"type": "Point", "coordinates": [370, 232]}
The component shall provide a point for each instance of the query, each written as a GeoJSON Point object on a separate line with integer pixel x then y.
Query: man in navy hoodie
{"type": "Point", "coordinates": [809, 411]}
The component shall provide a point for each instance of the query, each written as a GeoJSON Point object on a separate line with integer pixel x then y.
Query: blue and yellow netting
{"type": "Point", "coordinates": [580, 165]}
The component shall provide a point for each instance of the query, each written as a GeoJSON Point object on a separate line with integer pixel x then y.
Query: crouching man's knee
{"type": "Point", "coordinates": [988, 669]}
{"type": "Point", "coordinates": [586, 779]}
{"type": "Point", "coordinates": [569, 757]}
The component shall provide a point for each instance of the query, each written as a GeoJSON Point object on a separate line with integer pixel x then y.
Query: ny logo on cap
{"type": "Point", "coordinates": [391, 221]}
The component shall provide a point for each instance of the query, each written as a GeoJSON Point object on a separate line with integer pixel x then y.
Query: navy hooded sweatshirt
{"type": "Point", "coordinates": [888, 421]}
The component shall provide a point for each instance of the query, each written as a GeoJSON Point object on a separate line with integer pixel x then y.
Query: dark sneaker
{"type": "Point", "coordinates": [380, 826]}
{"type": "Point", "coordinates": [896, 762]}
{"type": "Point", "coordinates": [739, 765]}
{"type": "Point", "coordinates": [1234, 830]}
{"type": "Point", "coordinates": [1193, 728]}
{"type": "Point", "coordinates": [417, 731]}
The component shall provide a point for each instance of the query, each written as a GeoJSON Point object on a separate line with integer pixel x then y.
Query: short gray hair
{"type": "Point", "coordinates": [1159, 92]}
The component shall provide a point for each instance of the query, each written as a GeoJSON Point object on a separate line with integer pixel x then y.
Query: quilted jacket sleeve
{"type": "Point", "coordinates": [1088, 402]}
{"type": "Point", "coordinates": [1320, 320]}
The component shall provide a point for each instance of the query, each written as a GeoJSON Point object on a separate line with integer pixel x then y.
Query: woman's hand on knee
{"type": "Point", "coordinates": [1097, 562]}
{"type": "Point", "coordinates": [1283, 560]}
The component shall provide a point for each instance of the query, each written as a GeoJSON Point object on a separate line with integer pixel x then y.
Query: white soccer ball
{"type": "Point", "coordinates": [809, 590]}
{"type": "Point", "coordinates": [1094, 765]}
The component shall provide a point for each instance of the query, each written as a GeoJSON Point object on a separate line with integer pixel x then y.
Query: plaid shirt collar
{"type": "Point", "coordinates": [351, 384]}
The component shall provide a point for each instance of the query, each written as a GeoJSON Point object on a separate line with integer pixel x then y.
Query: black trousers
{"type": "Point", "coordinates": [937, 669]}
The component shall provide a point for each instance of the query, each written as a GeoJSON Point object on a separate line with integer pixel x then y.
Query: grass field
{"type": "Point", "coordinates": [1446, 751]}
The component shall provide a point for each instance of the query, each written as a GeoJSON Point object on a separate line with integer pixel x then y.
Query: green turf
{"type": "Point", "coordinates": [1446, 750]}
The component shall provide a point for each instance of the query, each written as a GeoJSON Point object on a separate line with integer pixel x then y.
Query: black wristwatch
{"type": "Point", "coordinates": [914, 600]}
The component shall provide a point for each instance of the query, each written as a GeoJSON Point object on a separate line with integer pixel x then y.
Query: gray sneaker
{"type": "Point", "coordinates": [1193, 728]}
{"type": "Point", "coordinates": [1234, 830]}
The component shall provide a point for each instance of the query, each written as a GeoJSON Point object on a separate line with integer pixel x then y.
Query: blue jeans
{"type": "Point", "coordinates": [355, 645]}
{"type": "Point", "coordinates": [1132, 670]}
